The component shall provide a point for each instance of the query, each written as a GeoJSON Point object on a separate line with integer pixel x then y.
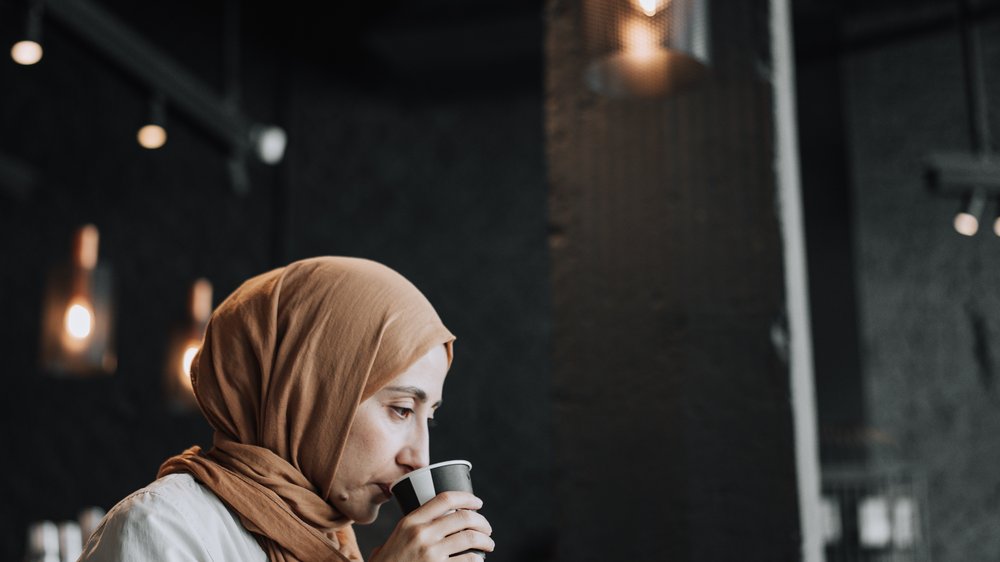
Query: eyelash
{"type": "Point", "coordinates": [405, 413]}
{"type": "Point", "coordinates": [402, 412]}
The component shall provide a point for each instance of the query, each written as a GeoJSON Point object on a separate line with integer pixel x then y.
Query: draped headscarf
{"type": "Point", "coordinates": [285, 362]}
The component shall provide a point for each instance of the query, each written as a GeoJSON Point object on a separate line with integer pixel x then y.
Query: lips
{"type": "Point", "coordinates": [385, 490]}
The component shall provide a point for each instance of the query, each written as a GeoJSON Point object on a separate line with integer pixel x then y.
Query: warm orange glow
{"type": "Point", "coordinates": [966, 224]}
{"type": "Point", "coordinates": [85, 246]}
{"type": "Point", "coordinates": [996, 226]}
{"type": "Point", "coordinates": [189, 352]}
{"type": "Point", "coordinates": [187, 360]}
{"type": "Point", "coordinates": [641, 39]}
{"type": "Point", "coordinates": [152, 136]}
{"type": "Point", "coordinates": [79, 320]}
{"type": "Point", "coordinates": [26, 52]}
{"type": "Point", "coordinates": [201, 300]}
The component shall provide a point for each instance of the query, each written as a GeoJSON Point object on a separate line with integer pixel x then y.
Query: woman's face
{"type": "Point", "coordinates": [389, 437]}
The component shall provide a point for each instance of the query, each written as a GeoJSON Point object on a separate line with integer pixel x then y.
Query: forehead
{"type": "Point", "coordinates": [427, 374]}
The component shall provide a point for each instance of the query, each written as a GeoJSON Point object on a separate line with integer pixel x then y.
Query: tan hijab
{"type": "Point", "coordinates": [286, 360]}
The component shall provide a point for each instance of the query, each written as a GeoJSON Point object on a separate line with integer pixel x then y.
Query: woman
{"type": "Point", "coordinates": [319, 379]}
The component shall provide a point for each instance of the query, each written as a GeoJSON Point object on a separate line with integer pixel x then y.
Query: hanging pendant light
{"type": "Point", "coordinates": [76, 326]}
{"type": "Point", "coordinates": [29, 50]}
{"type": "Point", "coordinates": [967, 219]}
{"type": "Point", "coordinates": [184, 346]}
{"type": "Point", "coordinates": [645, 48]}
{"type": "Point", "coordinates": [153, 133]}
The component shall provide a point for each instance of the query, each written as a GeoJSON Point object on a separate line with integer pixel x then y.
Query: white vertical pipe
{"type": "Point", "coordinates": [796, 283]}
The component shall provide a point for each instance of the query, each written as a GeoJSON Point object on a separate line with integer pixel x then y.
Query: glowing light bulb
{"type": "Point", "coordinates": [79, 321]}
{"type": "Point", "coordinates": [966, 224]}
{"type": "Point", "coordinates": [26, 52]}
{"type": "Point", "coordinates": [996, 226]}
{"type": "Point", "coordinates": [188, 360]}
{"type": "Point", "coordinates": [649, 7]}
{"type": "Point", "coordinates": [271, 142]}
{"type": "Point", "coordinates": [152, 136]}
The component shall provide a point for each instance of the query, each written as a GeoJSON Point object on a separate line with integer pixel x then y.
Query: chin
{"type": "Point", "coordinates": [366, 516]}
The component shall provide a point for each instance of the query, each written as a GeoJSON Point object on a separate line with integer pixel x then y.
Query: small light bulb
{"type": "Point", "coordinates": [270, 142]}
{"type": "Point", "coordinates": [966, 224]}
{"type": "Point", "coordinates": [26, 52]}
{"type": "Point", "coordinates": [189, 354]}
{"type": "Point", "coordinates": [649, 7]}
{"type": "Point", "coordinates": [152, 136]}
{"type": "Point", "coordinates": [79, 320]}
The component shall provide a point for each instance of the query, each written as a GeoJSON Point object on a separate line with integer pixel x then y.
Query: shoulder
{"type": "Point", "coordinates": [173, 519]}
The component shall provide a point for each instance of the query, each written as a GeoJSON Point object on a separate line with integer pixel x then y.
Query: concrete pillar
{"type": "Point", "coordinates": [673, 410]}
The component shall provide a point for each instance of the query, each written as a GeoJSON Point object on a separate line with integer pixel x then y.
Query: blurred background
{"type": "Point", "coordinates": [729, 310]}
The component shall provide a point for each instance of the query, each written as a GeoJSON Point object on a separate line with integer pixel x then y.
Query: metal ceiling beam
{"type": "Point", "coordinates": [164, 76]}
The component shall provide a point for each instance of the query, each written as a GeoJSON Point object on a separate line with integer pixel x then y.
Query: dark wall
{"type": "Point", "coordinates": [448, 189]}
{"type": "Point", "coordinates": [926, 296]}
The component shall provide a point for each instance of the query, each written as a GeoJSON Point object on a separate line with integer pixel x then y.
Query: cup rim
{"type": "Point", "coordinates": [428, 468]}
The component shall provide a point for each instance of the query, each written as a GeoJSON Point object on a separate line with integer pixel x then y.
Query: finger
{"type": "Point", "coordinates": [471, 557]}
{"type": "Point", "coordinates": [442, 504]}
{"type": "Point", "coordinates": [460, 520]}
{"type": "Point", "coordinates": [464, 540]}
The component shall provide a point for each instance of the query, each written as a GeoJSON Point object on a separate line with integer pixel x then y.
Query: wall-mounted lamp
{"type": "Point", "coordinates": [971, 178]}
{"type": "Point", "coordinates": [29, 50]}
{"type": "Point", "coordinates": [184, 346]}
{"type": "Point", "coordinates": [153, 134]}
{"type": "Point", "coordinates": [645, 48]}
{"type": "Point", "coordinates": [77, 335]}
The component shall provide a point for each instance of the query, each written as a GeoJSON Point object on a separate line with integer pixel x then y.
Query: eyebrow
{"type": "Point", "coordinates": [415, 391]}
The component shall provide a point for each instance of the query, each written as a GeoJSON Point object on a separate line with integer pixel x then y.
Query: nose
{"type": "Point", "coordinates": [416, 451]}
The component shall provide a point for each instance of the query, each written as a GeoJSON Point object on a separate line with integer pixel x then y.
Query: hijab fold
{"type": "Point", "coordinates": [286, 361]}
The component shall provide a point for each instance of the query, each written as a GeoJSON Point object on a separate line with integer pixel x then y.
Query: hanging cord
{"type": "Point", "coordinates": [975, 83]}
{"type": "Point", "coordinates": [231, 54]}
{"type": "Point", "coordinates": [239, 178]}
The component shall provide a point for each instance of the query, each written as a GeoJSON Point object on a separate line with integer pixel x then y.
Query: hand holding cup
{"type": "Point", "coordinates": [440, 519]}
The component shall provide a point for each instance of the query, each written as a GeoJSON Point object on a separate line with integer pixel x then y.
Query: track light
{"type": "Point", "coordinates": [153, 134]}
{"type": "Point", "coordinates": [29, 51]}
{"type": "Point", "coordinates": [967, 219]}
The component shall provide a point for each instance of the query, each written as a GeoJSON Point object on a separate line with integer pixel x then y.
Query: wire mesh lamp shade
{"type": "Point", "coordinates": [645, 48]}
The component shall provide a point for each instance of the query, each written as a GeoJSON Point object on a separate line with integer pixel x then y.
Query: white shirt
{"type": "Point", "coordinates": [174, 519]}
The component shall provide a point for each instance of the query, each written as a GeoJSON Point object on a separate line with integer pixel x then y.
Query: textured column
{"type": "Point", "coordinates": [673, 424]}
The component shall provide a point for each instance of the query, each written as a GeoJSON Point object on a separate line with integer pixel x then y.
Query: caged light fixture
{"type": "Point", "coordinates": [29, 50]}
{"type": "Point", "coordinates": [184, 346]}
{"type": "Point", "coordinates": [645, 48]}
{"type": "Point", "coordinates": [77, 335]}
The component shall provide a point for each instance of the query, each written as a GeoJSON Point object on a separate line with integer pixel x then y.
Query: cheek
{"type": "Point", "coordinates": [371, 446]}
